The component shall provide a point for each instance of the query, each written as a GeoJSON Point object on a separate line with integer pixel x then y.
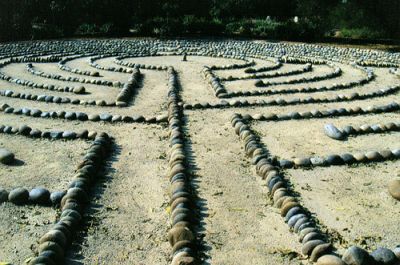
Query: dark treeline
{"type": "Point", "coordinates": [275, 19]}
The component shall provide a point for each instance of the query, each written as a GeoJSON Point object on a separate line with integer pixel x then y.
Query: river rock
{"type": "Point", "coordinates": [356, 256]}
{"type": "Point", "coordinates": [384, 256]}
{"type": "Point", "coordinates": [56, 196]}
{"type": "Point", "coordinates": [39, 195]}
{"type": "Point", "coordinates": [6, 157]}
{"type": "Point", "coordinates": [79, 90]}
{"type": "Point", "coordinates": [18, 196]}
{"type": "Point", "coordinates": [394, 189]}
{"type": "Point", "coordinates": [333, 132]}
{"type": "Point", "coordinates": [330, 260]}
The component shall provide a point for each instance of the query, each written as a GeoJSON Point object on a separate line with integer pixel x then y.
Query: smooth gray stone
{"type": "Point", "coordinates": [81, 116]}
{"type": "Point", "coordinates": [6, 157]}
{"type": "Point", "coordinates": [39, 195]}
{"type": "Point", "coordinates": [69, 135]}
{"type": "Point", "coordinates": [318, 161]}
{"type": "Point", "coordinates": [333, 132]}
{"type": "Point", "coordinates": [384, 256]}
{"type": "Point", "coordinates": [357, 256]}
{"type": "Point", "coordinates": [105, 117]}
{"type": "Point", "coordinates": [18, 196]}
{"type": "Point", "coordinates": [56, 135]}
{"type": "Point", "coordinates": [56, 196]}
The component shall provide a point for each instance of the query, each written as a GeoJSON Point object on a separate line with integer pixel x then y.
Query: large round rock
{"type": "Point", "coordinates": [6, 157]}
{"type": "Point", "coordinates": [357, 256]}
{"type": "Point", "coordinates": [394, 188]}
{"type": "Point", "coordinates": [18, 196]}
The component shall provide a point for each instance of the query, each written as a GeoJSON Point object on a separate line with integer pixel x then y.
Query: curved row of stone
{"type": "Point", "coordinates": [336, 72]}
{"type": "Point", "coordinates": [92, 62]}
{"type": "Point", "coordinates": [314, 242]}
{"type": "Point", "coordinates": [340, 134]}
{"type": "Point", "coordinates": [81, 116]}
{"type": "Point", "coordinates": [30, 68]}
{"type": "Point", "coordinates": [340, 159]}
{"type": "Point", "coordinates": [369, 76]}
{"type": "Point", "coordinates": [302, 60]}
{"type": "Point", "coordinates": [122, 99]}
{"type": "Point", "coordinates": [119, 60]}
{"type": "Point", "coordinates": [305, 69]}
{"type": "Point", "coordinates": [32, 84]}
{"type": "Point", "coordinates": [182, 235]}
{"type": "Point", "coordinates": [277, 64]}
{"type": "Point", "coordinates": [62, 64]}
{"type": "Point", "coordinates": [246, 64]}
{"type": "Point", "coordinates": [53, 245]}
{"type": "Point", "coordinates": [322, 114]}
{"type": "Point", "coordinates": [295, 101]}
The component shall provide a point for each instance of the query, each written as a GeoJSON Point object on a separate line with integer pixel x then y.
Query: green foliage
{"type": "Point", "coordinates": [27, 19]}
{"type": "Point", "coordinates": [361, 33]}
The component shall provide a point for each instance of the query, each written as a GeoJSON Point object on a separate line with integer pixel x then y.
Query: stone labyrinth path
{"type": "Point", "coordinates": [121, 152]}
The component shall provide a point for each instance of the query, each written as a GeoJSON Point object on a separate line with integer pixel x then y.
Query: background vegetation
{"type": "Point", "coordinates": [273, 19]}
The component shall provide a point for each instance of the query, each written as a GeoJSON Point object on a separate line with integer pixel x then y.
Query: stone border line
{"type": "Point", "coordinates": [335, 72]}
{"type": "Point", "coordinates": [369, 76]}
{"type": "Point", "coordinates": [305, 69]}
{"type": "Point", "coordinates": [277, 64]}
{"type": "Point", "coordinates": [327, 113]}
{"type": "Point", "coordinates": [62, 64]}
{"type": "Point", "coordinates": [182, 235]}
{"type": "Point", "coordinates": [341, 134]}
{"type": "Point", "coordinates": [294, 101]}
{"type": "Point", "coordinates": [98, 82]}
{"type": "Point", "coordinates": [81, 116]}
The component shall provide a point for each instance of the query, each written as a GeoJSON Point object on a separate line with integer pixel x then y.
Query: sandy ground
{"type": "Point", "coordinates": [127, 220]}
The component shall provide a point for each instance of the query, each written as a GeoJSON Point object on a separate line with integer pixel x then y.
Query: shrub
{"type": "Point", "coordinates": [46, 31]}
{"type": "Point", "coordinates": [360, 33]}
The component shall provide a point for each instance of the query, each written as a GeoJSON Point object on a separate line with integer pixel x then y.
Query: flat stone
{"type": "Point", "coordinates": [333, 132]}
{"type": "Point", "coordinates": [6, 157]}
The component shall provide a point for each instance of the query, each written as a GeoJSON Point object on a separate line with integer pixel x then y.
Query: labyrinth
{"type": "Point", "coordinates": [144, 151]}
